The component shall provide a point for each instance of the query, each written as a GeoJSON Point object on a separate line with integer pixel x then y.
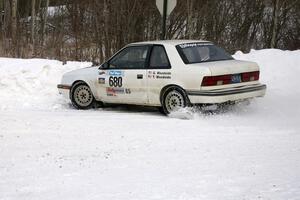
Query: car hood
{"type": "Point", "coordinates": [81, 71]}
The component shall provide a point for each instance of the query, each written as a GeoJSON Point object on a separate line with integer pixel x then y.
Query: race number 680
{"type": "Point", "coordinates": [115, 81]}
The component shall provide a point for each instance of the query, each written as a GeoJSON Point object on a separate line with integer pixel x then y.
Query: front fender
{"type": "Point", "coordinates": [86, 75]}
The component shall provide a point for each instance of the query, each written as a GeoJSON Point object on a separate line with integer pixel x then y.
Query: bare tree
{"type": "Point", "coordinates": [44, 24]}
{"type": "Point", "coordinates": [94, 29]}
{"type": "Point", "coordinates": [33, 26]}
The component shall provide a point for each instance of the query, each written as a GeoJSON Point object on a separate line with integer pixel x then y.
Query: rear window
{"type": "Point", "coordinates": [201, 52]}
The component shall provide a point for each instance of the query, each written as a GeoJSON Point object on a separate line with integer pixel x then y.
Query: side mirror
{"type": "Point", "coordinates": [104, 66]}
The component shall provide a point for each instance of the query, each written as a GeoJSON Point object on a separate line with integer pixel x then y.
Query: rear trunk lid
{"type": "Point", "coordinates": [229, 67]}
{"type": "Point", "coordinates": [235, 68]}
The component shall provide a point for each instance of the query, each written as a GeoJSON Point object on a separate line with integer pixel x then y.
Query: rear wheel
{"type": "Point", "coordinates": [173, 100]}
{"type": "Point", "coordinates": [82, 96]}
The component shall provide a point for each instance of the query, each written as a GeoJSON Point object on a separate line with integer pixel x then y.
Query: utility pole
{"type": "Point", "coordinates": [165, 8]}
{"type": "Point", "coordinates": [164, 20]}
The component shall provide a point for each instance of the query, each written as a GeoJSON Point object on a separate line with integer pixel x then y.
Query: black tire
{"type": "Point", "coordinates": [81, 96]}
{"type": "Point", "coordinates": [173, 98]}
{"type": "Point", "coordinates": [161, 110]}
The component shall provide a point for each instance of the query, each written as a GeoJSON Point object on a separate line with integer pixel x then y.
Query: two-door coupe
{"type": "Point", "coordinates": [167, 74]}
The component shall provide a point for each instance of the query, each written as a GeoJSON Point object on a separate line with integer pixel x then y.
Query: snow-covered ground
{"type": "Point", "coordinates": [48, 150]}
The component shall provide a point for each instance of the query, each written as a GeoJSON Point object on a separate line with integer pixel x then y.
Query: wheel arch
{"type": "Point", "coordinates": [78, 81]}
{"type": "Point", "coordinates": [167, 87]}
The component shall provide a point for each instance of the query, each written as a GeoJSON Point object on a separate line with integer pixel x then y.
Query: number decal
{"type": "Point", "coordinates": [120, 81]}
{"type": "Point", "coordinates": [115, 81]}
{"type": "Point", "coordinates": [111, 81]}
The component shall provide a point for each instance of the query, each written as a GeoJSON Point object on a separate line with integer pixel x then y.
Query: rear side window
{"type": "Point", "coordinates": [159, 58]}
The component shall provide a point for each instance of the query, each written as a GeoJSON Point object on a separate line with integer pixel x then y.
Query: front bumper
{"type": "Point", "coordinates": [228, 94]}
{"type": "Point", "coordinates": [64, 90]}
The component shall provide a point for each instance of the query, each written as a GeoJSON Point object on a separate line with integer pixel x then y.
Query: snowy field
{"type": "Point", "coordinates": [48, 150]}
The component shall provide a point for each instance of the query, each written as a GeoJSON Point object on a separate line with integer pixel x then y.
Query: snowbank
{"type": "Point", "coordinates": [31, 83]}
{"type": "Point", "coordinates": [279, 69]}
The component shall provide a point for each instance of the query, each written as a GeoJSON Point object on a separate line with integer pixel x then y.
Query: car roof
{"type": "Point", "coordinates": [169, 42]}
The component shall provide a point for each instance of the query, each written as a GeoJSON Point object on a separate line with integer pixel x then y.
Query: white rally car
{"type": "Point", "coordinates": [167, 74]}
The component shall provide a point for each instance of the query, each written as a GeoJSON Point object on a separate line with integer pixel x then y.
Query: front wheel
{"type": "Point", "coordinates": [82, 96]}
{"type": "Point", "coordinates": [173, 100]}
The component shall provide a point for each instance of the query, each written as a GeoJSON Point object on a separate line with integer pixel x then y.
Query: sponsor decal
{"type": "Point", "coordinates": [101, 80]}
{"type": "Point", "coordinates": [116, 73]}
{"type": "Point", "coordinates": [127, 91]}
{"type": "Point", "coordinates": [151, 74]}
{"type": "Point", "coordinates": [188, 45]}
{"type": "Point", "coordinates": [115, 78]}
{"type": "Point", "coordinates": [163, 73]}
{"type": "Point", "coordinates": [115, 91]}
{"type": "Point", "coordinates": [159, 75]}
{"type": "Point", "coordinates": [163, 77]}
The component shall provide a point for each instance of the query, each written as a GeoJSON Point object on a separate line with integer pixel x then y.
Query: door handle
{"type": "Point", "coordinates": [139, 76]}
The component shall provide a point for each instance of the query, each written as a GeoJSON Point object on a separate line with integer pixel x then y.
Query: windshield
{"type": "Point", "coordinates": [201, 52]}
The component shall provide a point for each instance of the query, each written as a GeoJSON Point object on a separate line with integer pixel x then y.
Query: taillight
{"type": "Point", "coordinates": [216, 80]}
{"type": "Point", "coordinates": [227, 79]}
{"type": "Point", "coordinates": [250, 76]}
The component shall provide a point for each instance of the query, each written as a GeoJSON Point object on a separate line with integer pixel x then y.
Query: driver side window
{"type": "Point", "coordinates": [130, 58]}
